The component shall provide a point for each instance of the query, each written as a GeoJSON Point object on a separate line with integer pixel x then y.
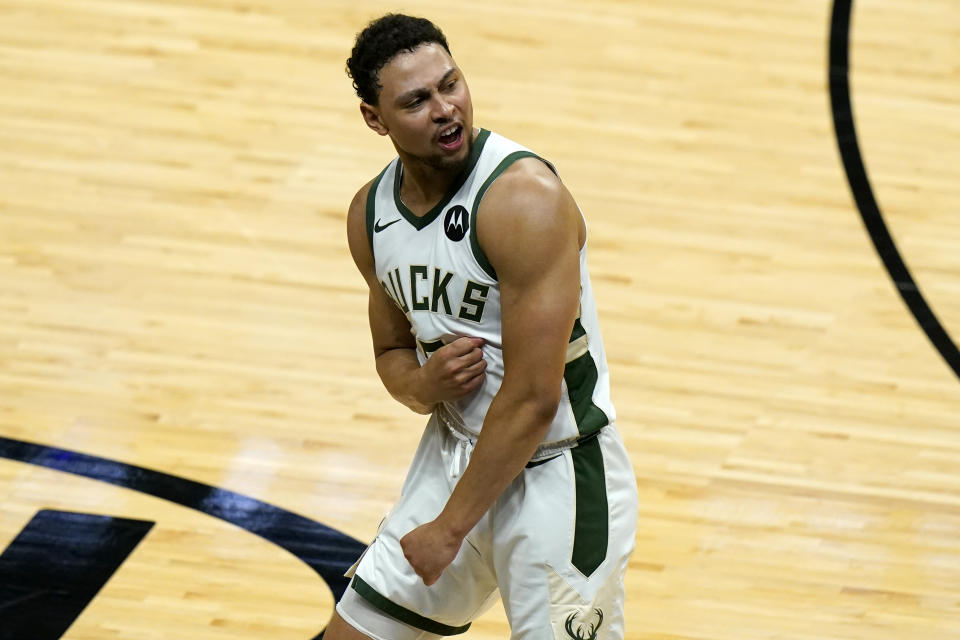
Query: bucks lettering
{"type": "Point", "coordinates": [426, 289]}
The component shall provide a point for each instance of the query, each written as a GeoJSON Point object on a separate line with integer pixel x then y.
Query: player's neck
{"type": "Point", "coordinates": [423, 185]}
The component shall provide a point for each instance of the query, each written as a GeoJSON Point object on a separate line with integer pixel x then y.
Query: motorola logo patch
{"type": "Point", "coordinates": [456, 223]}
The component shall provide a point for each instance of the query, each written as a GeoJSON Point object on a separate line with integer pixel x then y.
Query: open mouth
{"type": "Point", "coordinates": [451, 137]}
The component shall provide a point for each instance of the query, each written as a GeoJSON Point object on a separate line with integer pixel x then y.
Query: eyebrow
{"type": "Point", "coordinates": [421, 92]}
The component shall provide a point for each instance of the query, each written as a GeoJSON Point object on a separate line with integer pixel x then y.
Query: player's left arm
{"type": "Point", "coordinates": [531, 230]}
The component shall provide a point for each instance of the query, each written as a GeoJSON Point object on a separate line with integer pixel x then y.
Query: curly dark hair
{"type": "Point", "coordinates": [379, 42]}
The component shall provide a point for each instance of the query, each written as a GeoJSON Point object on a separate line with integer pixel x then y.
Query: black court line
{"type": "Point", "coordinates": [846, 132]}
{"type": "Point", "coordinates": [56, 566]}
{"type": "Point", "coordinates": [324, 549]}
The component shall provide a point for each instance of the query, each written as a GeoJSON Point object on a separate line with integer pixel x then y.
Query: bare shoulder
{"type": "Point", "coordinates": [527, 204]}
{"type": "Point", "coordinates": [527, 217]}
{"type": "Point", "coordinates": [356, 214]}
{"type": "Point", "coordinates": [529, 186]}
{"type": "Point", "coordinates": [357, 230]}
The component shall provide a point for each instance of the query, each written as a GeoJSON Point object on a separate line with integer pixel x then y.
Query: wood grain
{"type": "Point", "coordinates": [176, 292]}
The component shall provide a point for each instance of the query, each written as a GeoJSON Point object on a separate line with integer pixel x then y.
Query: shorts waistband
{"type": "Point", "coordinates": [546, 451]}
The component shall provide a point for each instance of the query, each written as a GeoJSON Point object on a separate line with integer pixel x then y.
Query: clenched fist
{"type": "Point", "coordinates": [430, 549]}
{"type": "Point", "coordinates": [453, 371]}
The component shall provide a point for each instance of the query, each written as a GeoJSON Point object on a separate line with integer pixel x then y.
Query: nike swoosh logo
{"type": "Point", "coordinates": [377, 228]}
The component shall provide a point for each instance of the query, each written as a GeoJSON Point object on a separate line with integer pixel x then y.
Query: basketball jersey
{"type": "Point", "coordinates": [435, 271]}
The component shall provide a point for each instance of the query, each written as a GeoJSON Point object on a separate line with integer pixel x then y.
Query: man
{"type": "Point", "coordinates": [482, 316]}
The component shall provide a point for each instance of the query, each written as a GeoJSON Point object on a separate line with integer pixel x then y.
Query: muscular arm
{"type": "Point", "coordinates": [454, 370]}
{"type": "Point", "coordinates": [531, 231]}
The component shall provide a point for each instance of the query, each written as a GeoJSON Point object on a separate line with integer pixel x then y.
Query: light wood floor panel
{"type": "Point", "coordinates": [907, 96]}
{"type": "Point", "coordinates": [176, 293]}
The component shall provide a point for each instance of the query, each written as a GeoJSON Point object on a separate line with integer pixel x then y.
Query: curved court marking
{"type": "Point", "coordinates": [843, 121]}
{"type": "Point", "coordinates": [325, 550]}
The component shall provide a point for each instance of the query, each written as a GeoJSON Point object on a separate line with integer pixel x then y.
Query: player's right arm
{"type": "Point", "coordinates": [451, 372]}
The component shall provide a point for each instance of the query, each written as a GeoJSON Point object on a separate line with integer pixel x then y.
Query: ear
{"type": "Point", "coordinates": [371, 115]}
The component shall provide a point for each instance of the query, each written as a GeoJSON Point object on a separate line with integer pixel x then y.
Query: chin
{"type": "Point", "coordinates": [457, 161]}
{"type": "Point", "coordinates": [446, 164]}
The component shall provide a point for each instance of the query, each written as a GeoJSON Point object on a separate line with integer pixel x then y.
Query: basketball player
{"type": "Point", "coordinates": [482, 316]}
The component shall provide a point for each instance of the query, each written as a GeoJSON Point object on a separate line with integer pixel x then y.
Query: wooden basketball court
{"type": "Point", "coordinates": [176, 294]}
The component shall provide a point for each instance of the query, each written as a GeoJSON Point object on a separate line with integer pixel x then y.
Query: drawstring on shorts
{"type": "Point", "coordinates": [461, 455]}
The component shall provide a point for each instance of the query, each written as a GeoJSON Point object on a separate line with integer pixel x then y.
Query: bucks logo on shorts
{"type": "Point", "coordinates": [581, 633]}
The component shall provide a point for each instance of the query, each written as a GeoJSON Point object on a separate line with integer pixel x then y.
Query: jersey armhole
{"type": "Point", "coordinates": [478, 252]}
{"type": "Point", "coordinates": [372, 207]}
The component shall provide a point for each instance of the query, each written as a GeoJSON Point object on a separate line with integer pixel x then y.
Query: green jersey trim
{"type": "Point", "coordinates": [478, 252]}
{"type": "Point", "coordinates": [581, 376]}
{"type": "Point", "coordinates": [403, 614]}
{"type": "Point", "coordinates": [372, 207]}
{"type": "Point", "coordinates": [578, 331]}
{"type": "Point", "coordinates": [419, 222]}
{"type": "Point", "coordinates": [590, 538]}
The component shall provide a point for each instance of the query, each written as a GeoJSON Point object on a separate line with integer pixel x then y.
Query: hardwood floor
{"type": "Point", "coordinates": [176, 293]}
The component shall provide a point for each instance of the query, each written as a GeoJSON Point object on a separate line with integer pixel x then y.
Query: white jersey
{"type": "Point", "coordinates": [433, 268]}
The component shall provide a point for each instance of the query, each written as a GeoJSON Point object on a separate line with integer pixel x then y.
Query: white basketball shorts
{"type": "Point", "coordinates": [554, 545]}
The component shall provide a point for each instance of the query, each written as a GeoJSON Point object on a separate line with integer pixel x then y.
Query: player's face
{"type": "Point", "coordinates": [425, 107]}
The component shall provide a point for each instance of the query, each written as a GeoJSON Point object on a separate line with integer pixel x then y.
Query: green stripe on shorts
{"type": "Point", "coordinates": [581, 376]}
{"type": "Point", "coordinates": [403, 614]}
{"type": "Point", "coordinates": [590, 532]}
